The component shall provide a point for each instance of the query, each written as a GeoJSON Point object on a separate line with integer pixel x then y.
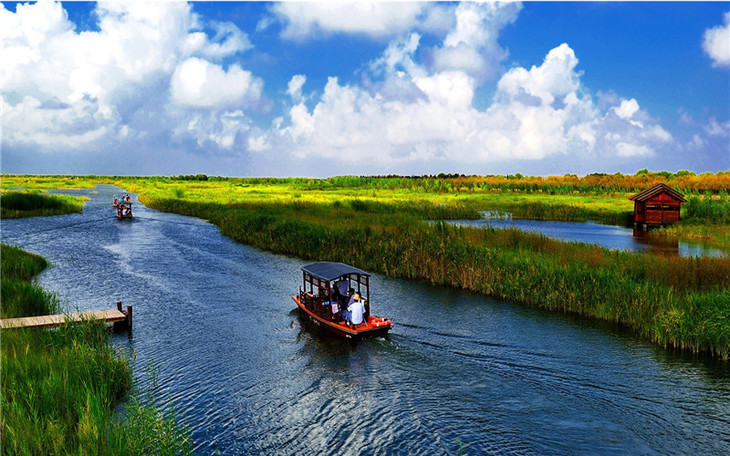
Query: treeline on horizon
{"type": "Point", "coordinates": [594, 183]}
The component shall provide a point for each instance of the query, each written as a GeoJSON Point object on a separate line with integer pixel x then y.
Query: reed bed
{"type": "Point", "coordinates": [380, 224]}
{"type": "Point", "coordinates": [673, 301]}
{"type": "Point", "coordinates": [60, 387]}
{"type": "Point", "coordinates": [28, 204]}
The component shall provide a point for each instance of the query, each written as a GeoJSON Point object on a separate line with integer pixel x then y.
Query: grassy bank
{"type": "Point", "coordinates": [60, 387]}
{"type": "Point", "coordinates": [27, 204]}
{"type": "Point", "coordinates": [680, 302]}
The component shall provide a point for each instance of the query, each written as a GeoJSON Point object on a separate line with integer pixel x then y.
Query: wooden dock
{"type": "Point", "coordinates": [116, 316]}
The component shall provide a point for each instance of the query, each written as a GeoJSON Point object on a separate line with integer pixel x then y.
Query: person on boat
{"type": "Point", "coordinates": [345, 316]}
{"type": "Point", "coordinates": [342, 287]}
{"type": "Point", "coordinates": [328, 291]}
{"type": "Point", "coordinates": [356, 310]}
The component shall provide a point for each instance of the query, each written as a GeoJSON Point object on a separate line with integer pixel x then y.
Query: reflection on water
{"type": "Point", "coordinates": [216, 320]}
{"type": "Point", "coordinates": [610, 236]}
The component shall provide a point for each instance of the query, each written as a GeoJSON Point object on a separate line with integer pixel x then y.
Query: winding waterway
{"type": "Point", "coordinates": [215, 321]}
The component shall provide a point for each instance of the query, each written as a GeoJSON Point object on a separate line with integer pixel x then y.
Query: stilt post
{"type": "Point", "coordinates": [129, 317]}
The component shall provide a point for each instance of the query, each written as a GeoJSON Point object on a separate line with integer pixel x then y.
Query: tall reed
{"type": "Point", "coordinates": [60, 387]}
{"type": "Point", "coordinates": [28, 204]}
{"type": "Point", "coordinates": [681, 302]}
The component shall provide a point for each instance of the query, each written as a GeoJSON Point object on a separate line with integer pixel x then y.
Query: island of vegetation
{"type": "Point", "coordinates": [60, 387]}
{"type": "Point", "coordinates": [395, 225]}
{"type": "Point", "coordinates": [16, 204]}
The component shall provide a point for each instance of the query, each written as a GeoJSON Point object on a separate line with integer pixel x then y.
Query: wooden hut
{"type": "Point", "coordinates": [657, 205]}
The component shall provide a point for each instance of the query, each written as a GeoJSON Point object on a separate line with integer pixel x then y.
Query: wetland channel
{"type": "Point", "coordinates": [217, 330]}
{"type": "Point", "coordinates": [609, 236]}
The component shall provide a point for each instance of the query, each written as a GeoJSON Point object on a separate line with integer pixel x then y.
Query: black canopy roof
{"type": "Point", "coordinates": [327, 270]}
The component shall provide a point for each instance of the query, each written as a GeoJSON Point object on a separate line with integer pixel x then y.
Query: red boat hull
{"type": "Point", "coordinates": [373, 327]}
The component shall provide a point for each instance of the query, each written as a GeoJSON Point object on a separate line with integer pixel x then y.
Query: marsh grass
{"type": "Point", "coordinates": [20, 297]}
{"type": "Point", "coordinates": [379, 224]}
{"type": "Point", "coordinates": [28, 204]}
{"type": "Point", "coordinates": [60, 386]}
{"type": "Point", "coordinates": [673, 301]}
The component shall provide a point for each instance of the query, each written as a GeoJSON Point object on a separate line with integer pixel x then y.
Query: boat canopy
{"type": "Point", "coordinates": [327, 270]}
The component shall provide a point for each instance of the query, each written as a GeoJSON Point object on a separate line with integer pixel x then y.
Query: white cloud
{"type": "Point", "coordinates": [304, 20]}
{"type": "Point", "coordinates": [67, 126]}
{"type": "Point", "coordinates": [472, 45]}
{"type": "Point", "coordinates": [199, 83]}
{"type": "Point", "coordinates": [66, 89]}
{"type": "Point", "coordinates": [224, 130]}
{"type": "Point", "coordinates": [228, 40]}
{"type": "Point", "coordinates": [716, 43]}
{"type": "Point", "coordinates": [633, 150]}
{"type": "Point", "coordinates": [535, 114]}
{"type": "Point", "coordinates": [294, 88]}
{"type": "Point", "coordinates": [715, 128]}
{"type": "Point", "coordinates": [627, 108]}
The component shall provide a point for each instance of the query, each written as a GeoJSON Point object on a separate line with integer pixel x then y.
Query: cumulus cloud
{"type": "Point", "coordinates": [64, 89]}
{"type": "Point", "coordinates": [228, 40]}
{"type": "Point", "coordinates": [305, 20]}
{"type": "Point", "coordinates": [716, 43]}
{"type": "Point", "coordinates": [223, 130]}
{"type": "Point", "coordinates": [471, 46]}
{"type": "Point", "coordinates": [200, 83]}
{"type": "Point", "coordinates": [294, 88]}
{"type": "Point", "coordinates": [535, 113]}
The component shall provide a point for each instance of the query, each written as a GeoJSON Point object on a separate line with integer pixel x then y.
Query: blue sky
{"type": "Point", "coordinates": [322, 89]}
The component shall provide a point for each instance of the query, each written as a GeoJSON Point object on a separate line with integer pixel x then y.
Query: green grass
{"type": "Point", "coordinates": [60, 387]}
{"type": "Point", "coordinates": [25, 204]}
{"type": "Point", "coordinates": [674, 301]}
{"type": "Point", "coordinates": [20, 297]}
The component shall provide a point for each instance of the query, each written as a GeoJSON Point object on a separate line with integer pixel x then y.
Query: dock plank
{"type": "Point", "coordinates": [45, 321]}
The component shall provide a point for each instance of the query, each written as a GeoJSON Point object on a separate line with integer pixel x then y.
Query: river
{"type": "Point", "coordinates": [609, 236]}
{"type": "Point", "coordinates": [216, 328]}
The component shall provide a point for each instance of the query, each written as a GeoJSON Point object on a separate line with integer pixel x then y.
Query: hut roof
{"type": "Point", "coordinates": [655, 190]}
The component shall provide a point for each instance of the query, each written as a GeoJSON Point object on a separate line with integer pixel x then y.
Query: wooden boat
{"type": "Point", "coordinates": [320, 301]}
{"type": "Point", "coordinates": [123, 205]}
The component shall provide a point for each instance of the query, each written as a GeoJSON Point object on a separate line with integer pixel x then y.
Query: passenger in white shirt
{"type": "Point", "coordinates": [356, 310]}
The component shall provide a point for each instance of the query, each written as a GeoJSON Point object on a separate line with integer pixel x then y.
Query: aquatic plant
{"type": "Point", "coordinates": [644, 292]}
{"type": "Point", "coordinates": [28, 204]}
{"type": "Point", "coordinates": [60, 387]}
{"type": "Point", "coordinates": [380, 224]}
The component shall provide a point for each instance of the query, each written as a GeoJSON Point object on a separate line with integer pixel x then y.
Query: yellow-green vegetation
{"type": "Point", "coordinates": [60, 387]}
{"type": "Point", "coordinates": [681, 302]}
{"type": "Point", "coordinates": [381, 224]}
{"type": "Point", "coordinates": [11, 181]}
{"type": "Point", "coordinates": [30, 204]}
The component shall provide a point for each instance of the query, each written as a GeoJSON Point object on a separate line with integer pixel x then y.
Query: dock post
{"type": "Point", "coordinates": [119, 306]}
{"type": "Point", "coordinates": [129, 317]}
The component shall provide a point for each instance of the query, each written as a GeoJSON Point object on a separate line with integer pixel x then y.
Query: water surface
{"type": "Point", "coordinates": [216, 321]}
{"type": "Point", "coordinates": [609, 236]}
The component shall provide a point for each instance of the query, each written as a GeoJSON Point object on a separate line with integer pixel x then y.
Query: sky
{"type": "Point", "coordinates": [326, 89]}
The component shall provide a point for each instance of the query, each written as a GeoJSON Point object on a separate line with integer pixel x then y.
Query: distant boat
{"type": "Point", "coordinates": [123, 204]}
{"type": "Point", "coordinates": [321, 301]}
